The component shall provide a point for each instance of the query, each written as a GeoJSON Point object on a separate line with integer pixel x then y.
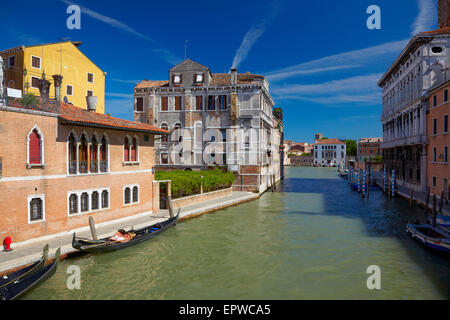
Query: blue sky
{"type": "Point", "coordinates": [321, 60]}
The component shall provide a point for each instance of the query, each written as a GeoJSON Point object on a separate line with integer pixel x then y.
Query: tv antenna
{"type": "Point", "coordinates": [185, 48]}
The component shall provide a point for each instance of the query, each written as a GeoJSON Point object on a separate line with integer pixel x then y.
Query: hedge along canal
{"type": "Point", "coordinates": [311, 239]}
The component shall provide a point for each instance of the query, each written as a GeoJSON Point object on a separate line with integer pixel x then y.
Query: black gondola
{"type": "Point", "coordinates": [140, 235]}
{"type": "Point", "coordinates": [19, 274]}
{"type": "Point", "coordinates": [20, 287]}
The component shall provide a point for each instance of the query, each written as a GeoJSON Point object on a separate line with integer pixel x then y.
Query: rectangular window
{"type": "Point", "coordinates": [178, 103]}
{"type": "Point", "coordinates": [434, 126]}
{"type": "Point", "coordinates": [164, 158]}
{"type": "Point", "coordinates": [445, 122]}
{"type": "Point", "coordinates": [89, 93]}
{"type": "Point", "coordinates": [445, 95]}
{"type": "Point", "coordinates": [434, 101]}
{"type": "Point", "coordinates": [164, 103]}
{"type": "Point", "coordinates": [69, 90]}
{"type": "Point", "coordinates": [12, 61]}
{"type": "Point", "coordinates": [211, 103]}
{"type": "Point", "coordinates": [434, 181]}
{"type": "Point", "coordinates": [139, 104]}
{"type": "Point", "coordinates": [198, 78]}
{"type": "Point", "coordinates": [36, 208]}
{"type": "Point", "coordinates": [35, 82]}
{"type": "Point", "coordinates": [199, 103]}
{"type": "Point", "coordinates": [90, 77]}
{"type": "Point", "coordinates": [222, 102]}
{"type": "Point", "coordinates": [36, 62]}
{"type": "Point", "coordinates": [434, 154]}
{"type": "Point", "coordinates": [445, 154]}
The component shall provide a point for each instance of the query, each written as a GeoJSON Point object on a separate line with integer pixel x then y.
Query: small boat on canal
{"type": "Point", "coordinates": [25, 284]}
{"type": "Point", "coordinates": [24, 272]}
{"type": "Point", "coordinates": [131, 237]}
{"type": "Point", "coordinates": [430, 236]}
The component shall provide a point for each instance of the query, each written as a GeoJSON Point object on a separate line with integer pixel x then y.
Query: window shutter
{"type": "Point", "coordinates": [34, 148]}
{"type": "Point", "coordinates": [133, 150]}
{"type": "Point", "coordinates": [126, 155]}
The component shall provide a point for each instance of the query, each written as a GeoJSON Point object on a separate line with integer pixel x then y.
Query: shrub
{"type": "Point", "coordinates": [186, 183]}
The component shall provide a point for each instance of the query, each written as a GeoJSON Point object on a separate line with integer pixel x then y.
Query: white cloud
{"type": "Point", "coordinates": [356, 90]}
{"type": "Point", "coordinates": [345, 60]}
{"type": "Point", "coordinates": [255, 32]}
{"type": "Point", "coordinates": [163, 53]}
{"type": "Point", "coordinates": [119, 95]}
{"type": "Point", "coordinates": [426, 19]}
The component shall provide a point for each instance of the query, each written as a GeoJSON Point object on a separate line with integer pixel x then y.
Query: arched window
{"type": "Point", "coordinates": [72, 154]}
{"type": "Point", "coordinates": [127, 195]}
{"type": "Point", "coordinates": [83, 155]}
{"type": "Point", "coordinates": [34, 147]}
{"type": "Point", "coordinates": [104, 155]}
{"type": "Point", "coordinates": [105, 199]}
{"type": "Point", "coordinates": [73, 203]}
{"type": "Point", "coordinates": [135, 194]}
{"type": "Point", "coordinates": [164, 126]}
{"type": "Point", "coordinates": [84, 202]}
{"type": "Point", "coordinates": [134, 150]}
{"type": "Point", "coordinates": [126, 150]}
{"type": "Point", "coordinates": [93, 155]}
{"type": "Point", "coordinates": [94, 200]}
{"type": "Point", "coordinates": [176, 133]}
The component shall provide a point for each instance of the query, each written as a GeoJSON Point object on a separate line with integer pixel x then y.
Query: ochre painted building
{"type": "Point", "coordinates": [438, 154]}
{"type": "Point", "coordinates": [64, 164]}
{"type": "Point", "coordinates": [25, 66]}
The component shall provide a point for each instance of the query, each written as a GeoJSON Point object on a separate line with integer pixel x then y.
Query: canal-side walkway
{"type": "Point", "coordinates": [29, 251]}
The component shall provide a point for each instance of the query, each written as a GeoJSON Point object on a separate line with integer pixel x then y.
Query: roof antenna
{"type": "Point", "coordinates": [185, 49]}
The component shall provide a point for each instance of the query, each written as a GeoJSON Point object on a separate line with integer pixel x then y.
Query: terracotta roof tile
{"type": "Point", "coordinates": [152, 84]}
{"type": "Point", "coordinates": [73, 114]}
{"type": "Point", "coordinates": [437, 31]}
{"type": "Point", "coordinates": [329, 141]}
{"type": "Point", "coordinates": [217, 79]}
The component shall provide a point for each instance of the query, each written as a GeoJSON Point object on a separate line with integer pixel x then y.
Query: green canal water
{"type": "Point", "coordinates": [311, 239]}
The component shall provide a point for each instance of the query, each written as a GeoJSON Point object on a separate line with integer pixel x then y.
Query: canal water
{"type": "Point", "coordinates": [313, 238]}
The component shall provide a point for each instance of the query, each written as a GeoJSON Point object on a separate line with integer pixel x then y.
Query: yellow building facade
{"type": "Point", "coordinates": [25, 66]}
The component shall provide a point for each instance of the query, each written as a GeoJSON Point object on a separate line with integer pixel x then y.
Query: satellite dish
{"type": "Point", "coordinates": [66, 100]}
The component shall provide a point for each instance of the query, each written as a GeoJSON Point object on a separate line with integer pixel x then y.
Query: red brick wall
{"type": "Point", "coordinates": [438, 169]}
{"type": "Point", "coordinates": [18, 182]}
{"type": "Point", "coordinates": [443, 13]}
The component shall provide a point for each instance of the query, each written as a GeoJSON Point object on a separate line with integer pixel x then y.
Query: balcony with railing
{"type": "Point", "coordinates": [93, 167]}
{"type": "Point", "coordinates": [104, 165]}
{"type": "Point", "coordinates": [72, 167]}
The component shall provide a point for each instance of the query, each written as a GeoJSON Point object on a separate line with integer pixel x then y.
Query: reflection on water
{"type": "Point", "coordinates": [311, 239]}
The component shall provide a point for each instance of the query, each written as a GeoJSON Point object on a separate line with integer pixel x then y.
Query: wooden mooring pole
{"type": "Point", "coordinates": [433, 220]}
{"type": "Point", "coordinates": [426, 205]}
{"type": "Point", "coordinates": [441, 202]}
{"type": "Point", "coordinates": [169, 198]}
{"type": "Point", "coordinates": [411, 198]}
{"type": "Point", "coordinates": [92, 226]}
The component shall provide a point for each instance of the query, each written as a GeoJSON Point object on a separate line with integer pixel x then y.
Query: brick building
{"type": "Point", "coordinates": [214, 119]}
{"type": "Point", "coordinates": [368, 148]}
{"type": "Point", "coordinates": [63, 164]}
{"type": "Point", "coordinates": [438, 155]}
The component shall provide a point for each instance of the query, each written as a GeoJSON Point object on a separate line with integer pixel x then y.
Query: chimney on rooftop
{"type": "Point", "coordinates": [233, 72]}
{"type": "Point", "coordinates": [57, 79]}
{"type": "Point", "coordinates": [443, 14]}
{"type": "Point", "coordinates": [44, 87]}
{"type": "Point", "coordinates": [91, 103]}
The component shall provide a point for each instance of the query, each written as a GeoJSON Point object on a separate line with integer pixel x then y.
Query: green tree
{"type": "Point", "coordinates": [29, 100]}
{"type": "Point", "coordinates": [351, 147]}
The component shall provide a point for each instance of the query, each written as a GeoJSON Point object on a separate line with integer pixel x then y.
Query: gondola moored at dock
{"type": "Point", "coordinates": [136, 236]}
{"type": "Point", "coordinates": [430, 236]}
{"type": "Point", "coordinates": [25, 284]}
{"type": "Point", "coordinates": [28, 270]}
